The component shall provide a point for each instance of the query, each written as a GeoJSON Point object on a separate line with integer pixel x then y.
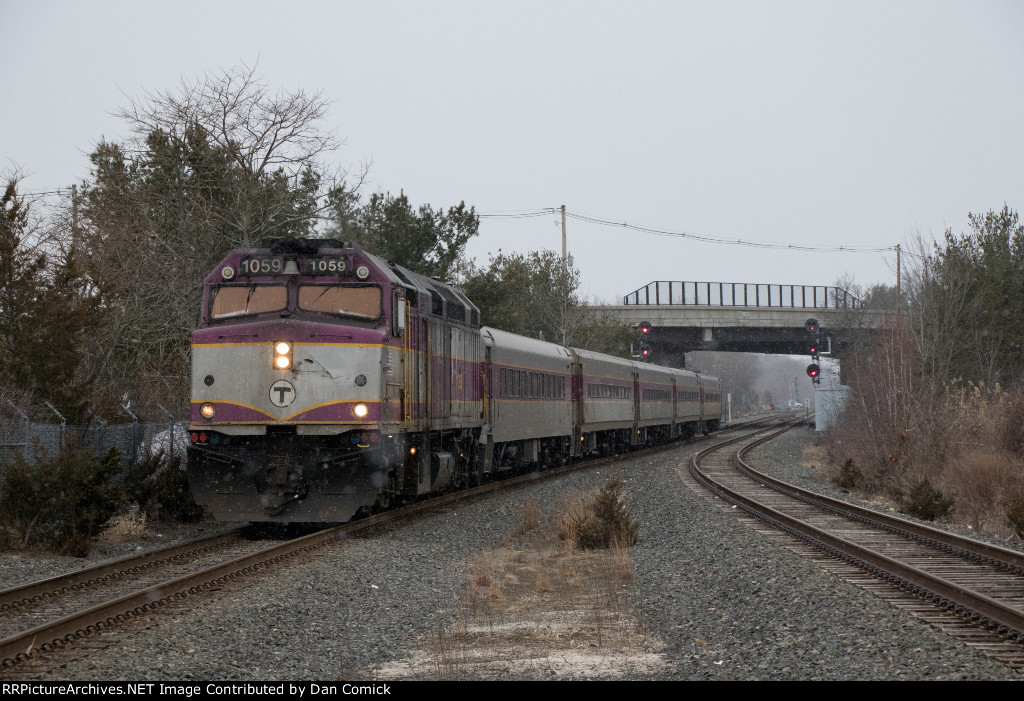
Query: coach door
{"type": "Point", "coordinates": [577, 394]}
{"type": "Point", "coordinates": [675, 407]}
{"type": "Point", "coordinates": [700, 383]}
{"type": "Point", "coordinates": [635, 437]}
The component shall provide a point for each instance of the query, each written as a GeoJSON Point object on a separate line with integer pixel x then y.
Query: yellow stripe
{"type": "Point", "coordinates": [322, 404]}
{"type": "Point", "coordinates": [296, 344]}
{"type": "Point", "coordinates": [233, 403]}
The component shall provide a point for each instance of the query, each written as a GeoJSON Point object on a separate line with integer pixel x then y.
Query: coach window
{"type": "Point", "coordinates": [243, 300]}
{"type": "Point", "coordinates": [363, 302]}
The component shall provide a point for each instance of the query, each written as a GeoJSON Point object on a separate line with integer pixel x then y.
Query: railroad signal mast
{"type": "Point", "coordinates": [645, 347]}
{"type": "Point", "coordinates": [814, 348]}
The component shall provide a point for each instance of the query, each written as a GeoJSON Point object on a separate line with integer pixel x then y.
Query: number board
{"type": "Point", "coordinates": [263, 265]}
{"type": "Point", "coordinates": [271, 265]}
{"type": "Point", "coordinates": [325, 265]}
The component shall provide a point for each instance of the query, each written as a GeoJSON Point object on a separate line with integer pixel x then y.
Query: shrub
{"type": "Point", "coordinates": [848, 477]}
{"type": "Point", "coordinates": [60, 501]}
{"type": "Point", "coordinates": [599, 520]}
{"type": "Point", "coordinates": [160, 486]}
{"type": "Point", "coordinates": [926, 502]}
{"type": "Point", "coordinates": [1015, 516]}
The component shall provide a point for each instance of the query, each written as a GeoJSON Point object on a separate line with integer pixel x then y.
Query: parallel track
{"type": "Point", "coordinates": [929, 572]}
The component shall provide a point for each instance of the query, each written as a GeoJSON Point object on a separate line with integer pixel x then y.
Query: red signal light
{"type": "Point", "coordinates": [811, 325]}
{"type": "Point", "coordinates": [645, 350]}
{"type": "Point", "coordinates": [645, 327]}
{"type": "Point", "coordinates": [813, 370]}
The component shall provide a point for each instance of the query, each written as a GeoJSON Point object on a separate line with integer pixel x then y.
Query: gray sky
{"type": "Point", "coordinates": [804, 123]}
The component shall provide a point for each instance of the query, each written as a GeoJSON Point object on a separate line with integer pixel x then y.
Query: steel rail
{"type": "Point", "coordinates": [46, 588]}
{"type": "Point", "coordinates": [968, 548]}
{"type": "Point", "coordinates": [981, 609]}
{"type": "Point", "coordinates": [55, 634]}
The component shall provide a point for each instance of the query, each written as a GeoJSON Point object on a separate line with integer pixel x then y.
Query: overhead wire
{"type": "Point", "coordinates": [717, 240]}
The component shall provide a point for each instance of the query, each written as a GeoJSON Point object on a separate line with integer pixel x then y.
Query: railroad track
{"type": "Point", "coordinates": [972, 590]}
{"type": "Point", "coordinates": [43, 617]}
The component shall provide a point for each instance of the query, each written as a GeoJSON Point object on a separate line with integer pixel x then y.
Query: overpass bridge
{"type": "Point", "coordinates": [742, 317]}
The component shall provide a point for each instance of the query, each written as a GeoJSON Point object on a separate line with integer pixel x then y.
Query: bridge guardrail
{"type": "Point", "coordinates": [742, 294]}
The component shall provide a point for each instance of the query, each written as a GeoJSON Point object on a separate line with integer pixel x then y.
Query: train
{"type": "Point", "coordinates": [328, 383]}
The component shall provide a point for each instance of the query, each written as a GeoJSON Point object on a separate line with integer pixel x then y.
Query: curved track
{"type": "Point", "coordinates": [931, 572]}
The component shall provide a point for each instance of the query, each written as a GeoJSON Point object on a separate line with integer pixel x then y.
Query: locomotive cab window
{"type": "Point", "coordinates": [244, 300]}
{"type": "Point", "coordinates": [358, 301]}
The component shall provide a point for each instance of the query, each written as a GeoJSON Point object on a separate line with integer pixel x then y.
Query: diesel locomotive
{"type": "Point", "coordinates": [327, 382]}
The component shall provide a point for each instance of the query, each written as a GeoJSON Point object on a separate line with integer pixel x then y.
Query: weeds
{"type": "Point", "coordinates": [598, 520]}
{"type": "Point", "coordinates": [953, 450]}
{"type": "Point", "coordinates": [535, 607]}
{"type": "Point", "coordinates": [130, 525]}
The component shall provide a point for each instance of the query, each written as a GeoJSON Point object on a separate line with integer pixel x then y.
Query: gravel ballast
{"type": "Point", "coordinates": [725, 602]}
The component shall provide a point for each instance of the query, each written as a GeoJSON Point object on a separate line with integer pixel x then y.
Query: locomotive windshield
{"type": "Point", "coordinates": [363, 302]}
{"type": "Point", "coordinates": [242, 300]}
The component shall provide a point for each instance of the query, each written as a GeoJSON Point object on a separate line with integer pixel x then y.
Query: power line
{"type": "Point", "coordinates": [732, 242]}
{"type": "Point", "coordinates": [518, 214]}
{"type": "Point", "coordinates": [603, 221]}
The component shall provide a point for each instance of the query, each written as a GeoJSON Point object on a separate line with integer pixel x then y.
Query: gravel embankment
{"type": "Point", "coordinates": [727, 603]}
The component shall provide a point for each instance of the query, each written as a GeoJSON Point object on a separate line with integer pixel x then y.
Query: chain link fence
{"type": "Point", "coordinates": [136, 440]}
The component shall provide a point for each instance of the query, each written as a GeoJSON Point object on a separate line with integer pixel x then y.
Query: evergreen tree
{"type": "Point", "coordinates": [21, 283]}
{"type": "Point", "coordinates": [536, 295]}
{"type": "Point", "coordinates": [427, 241]}
{"type": "Point", "coordinates": [982, 273]}
{"type": "Point", "coordinates": [46, 310]}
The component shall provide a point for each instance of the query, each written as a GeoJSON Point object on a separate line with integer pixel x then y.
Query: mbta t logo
{"type": "Point", "coordinates": [282, 393]}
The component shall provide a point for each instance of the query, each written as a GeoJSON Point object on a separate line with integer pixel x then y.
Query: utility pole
{"type": "Point", "coordinates": [565, 259]}
{"type": "Point", "coordinates": [898, 275]}
{"type": "Point", "coordinates": [74, 220]}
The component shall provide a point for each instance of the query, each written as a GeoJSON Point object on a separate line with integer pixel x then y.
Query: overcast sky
{"type": "Point", "coordinates": [804, 123]}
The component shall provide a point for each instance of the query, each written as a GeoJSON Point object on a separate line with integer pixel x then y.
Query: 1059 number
{"type": "Point", "coordinates": [326, 266]}
{"type": "Point", "coordinates": [260, 266]}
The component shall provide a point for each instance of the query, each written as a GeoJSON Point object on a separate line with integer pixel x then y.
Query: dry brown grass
{"type": "Point", "coordinates": [131, 525]}
{"type": "Point", "coordinates": [531, 516]}
{"type": "Point", "coordinates": [597, 520]}
{"type": "Point", "coordinates": [965, 441]}
{"type": "Point", "coordinates": [984, 483]}
{"type": "Point", "coordinates": [534, 608]}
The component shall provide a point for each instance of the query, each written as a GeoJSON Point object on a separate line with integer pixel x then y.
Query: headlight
{"type": "Point", "coordinates": [282, 355]}
{"type": "Point", "coordinates": [360, 410]}
{"type": "Point", "coordinates": [207, 410]}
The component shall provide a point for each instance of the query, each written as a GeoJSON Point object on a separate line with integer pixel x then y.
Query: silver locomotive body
{"type": "Point", "coordinates": [325, 381]}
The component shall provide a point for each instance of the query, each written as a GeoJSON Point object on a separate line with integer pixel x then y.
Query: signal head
{"type": "Point", "coordinates": [645, 350]}
{"type": "Point", "coordinates": [813, 371]}
{"type": "Point", "coordinates": [645, 327]}
{"type": "Point", "coordinates": [811, 325]}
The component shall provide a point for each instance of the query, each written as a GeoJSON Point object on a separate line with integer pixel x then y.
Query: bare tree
{"type": "Point", "coordinates": [217, 164]}
{"type": "Point", "coordinates": [266, 137]}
